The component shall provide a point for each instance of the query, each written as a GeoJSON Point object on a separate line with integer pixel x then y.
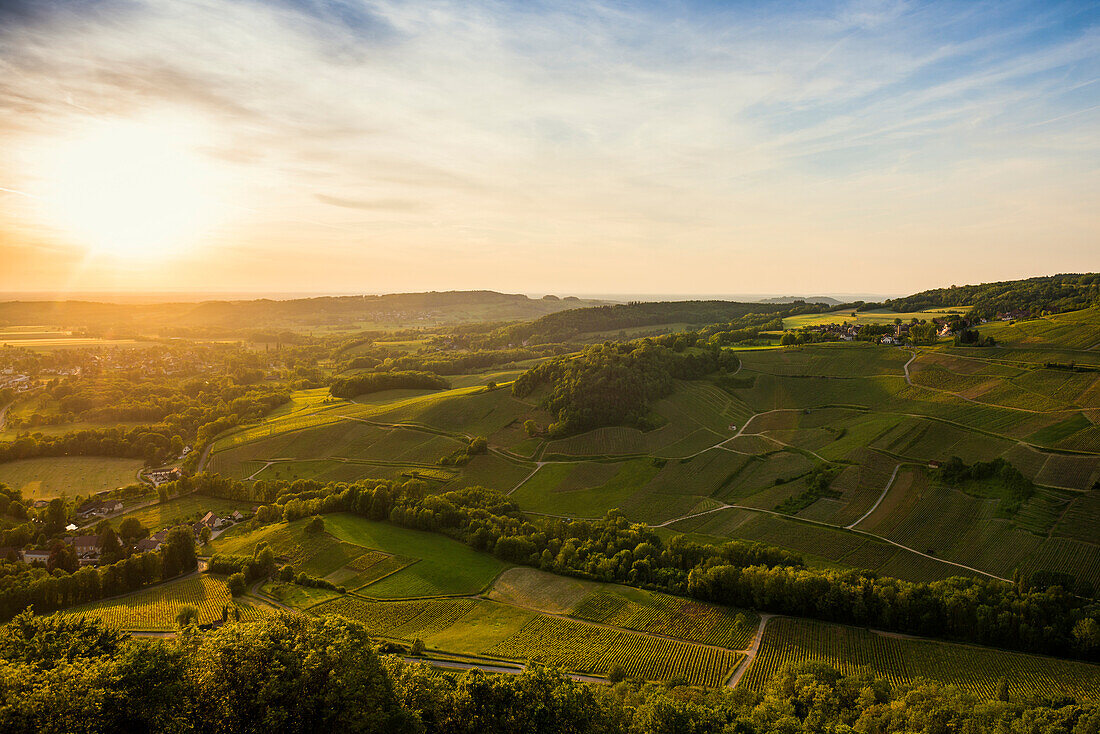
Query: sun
{"type": "Point", "coordinates": [131, 189]}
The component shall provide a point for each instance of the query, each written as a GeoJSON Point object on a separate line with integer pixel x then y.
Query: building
{"type": "Point", "coordinates": [36, 556]}
{"type": "Point", "coordinates": [160, 476]}
{"type": "Point", "coordinates": [86, 546]}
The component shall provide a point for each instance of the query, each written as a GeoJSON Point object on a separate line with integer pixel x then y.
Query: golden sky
{"type": "Point", "coordinates": [690, 147]}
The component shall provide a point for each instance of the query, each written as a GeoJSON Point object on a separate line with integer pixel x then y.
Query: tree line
{"type": "Point", "coordinates": [22, 586]}
{"type": "Point", "coordinates": [1023, 616]}
{"type": "Point", "coordinates": [349, 387]}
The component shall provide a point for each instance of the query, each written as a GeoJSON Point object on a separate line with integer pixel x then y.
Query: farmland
{"type": "Point", "coordinates": [588, 649]}
{"type": "Point", "coordinates": [905, 660]}
{"type": "Point", "coordinates": [752, 446]}
{"type": "Point", "coordinates": [68, 475]}
{"type": "Point", "coordinates": [154, 609]}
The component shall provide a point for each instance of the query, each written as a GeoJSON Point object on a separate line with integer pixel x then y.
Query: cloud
{"type": "Point", "coordinates": [686, 131]}
{"type": "Point", "coordinates": [371, 205]}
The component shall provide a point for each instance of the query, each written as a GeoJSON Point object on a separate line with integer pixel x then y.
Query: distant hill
{"type": "Point", "coordinates": [395, 308]}
{"type": "Point", "coordinates": [805, 299]}
{"type": "Point", "coordinates": [566, 325]}
{"type": "Point", "coordinates": [1049, 293]}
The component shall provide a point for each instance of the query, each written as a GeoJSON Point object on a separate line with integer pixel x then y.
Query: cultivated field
{"type": "Point", "coordinates": [905, 660]}
{"type": "Point", "coordinates": [154, 609]}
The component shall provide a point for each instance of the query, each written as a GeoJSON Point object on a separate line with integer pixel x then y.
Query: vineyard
{"type": "Point", "coordinates": [670, 616]}
{"type": "Point", "coordinates": [155, 608]}
{"type": "Point", "coordinates": [399, 619]}
{"type": "Point", "coordinates": [903, 660]}
{"type": "Point", "coordinates": [588, 649]}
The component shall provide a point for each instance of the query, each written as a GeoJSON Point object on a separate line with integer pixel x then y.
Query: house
{"type": "Point", "coordinates": [147, 545]}
{"type": "Point", "coordinates": [237, 516]}
{"type": "Point", "coordinates": [36, 556]}
{"type": "Point", "coordinates": [86, 546]}
{"type": "Point", "coordinates": [212, 521]}
{"type": "Point", "coordinates": [93, 508]}
{"type": "Point", "coordinates": [41, 504]}
{"type": "Point", "coordinates": [89, 509]}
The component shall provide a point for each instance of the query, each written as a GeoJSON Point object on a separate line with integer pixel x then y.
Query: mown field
{"type": "Point", "coordinates": [47, 478]}
{"type": "Point", "coordinates": [905, 660]}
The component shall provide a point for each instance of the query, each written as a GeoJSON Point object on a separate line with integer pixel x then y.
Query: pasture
{"type": "Point", "coordinates": [444, 566]}
{"type": "Point", "coordinates": [70, 476]}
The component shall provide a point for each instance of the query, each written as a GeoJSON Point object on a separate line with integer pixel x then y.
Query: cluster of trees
{"type": "Point", "coordinates": [151, 443]}
{"type": "Point", "coordinates": [997, 477]}
{"type": "Point", "coordinates": [567, 325]}
{"type": "Point", "coordinates": [616, 383]}
{"type": "Point", "coordinates": [293, 673]}
{"type": "Point", "coordinates": [971, 338]}
{"type": "Point", "coordinates": [349, 387]}
{"type": "Point", "coordinates": [21, 586]}
{"type": "Point", "coordinates": [1048, 620]}
{"type": "Point", "coordinates": [1051, 293]}
{"type": "Point", "coordinates": [817, 486]}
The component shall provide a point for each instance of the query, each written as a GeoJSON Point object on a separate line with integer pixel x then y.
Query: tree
{"type": "Point", "coordinates": [204, 534]}
{"type": "Point", "coordinates": [616, 673]}
{"type": "Point", "coordinates": [131, 530]}
{"type": "Point", "coordinates": [316, 525]}
{"type": "Point", "coordinates": [188, 614]}
{"type": "Point", "coordinates": [56, 517]}
{"type": "Point", "coordinates": [178, 552]}
{"type": "Point", "coordinates": [530, 427]}
{"type": "Point", "coordinates": [236, 583]}
{"type": "Point", "coordinates": [1087, 634]}
{"type": "Point", "coordinates": [110, 549]}
{"type": "Point", "coordinates": [290, 673]}
{"type": "Point", "coordinates": [478, 445]}
{"type": "Point", "coordinates": [417, 648]}
{"type": "Point", "coordinates": [62, 556]}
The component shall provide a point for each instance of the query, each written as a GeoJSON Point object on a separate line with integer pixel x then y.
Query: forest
{"type": "Point", "coordinates": [292, 673]}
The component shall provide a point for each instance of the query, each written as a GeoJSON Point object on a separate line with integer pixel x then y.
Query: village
{"type": "Point", "coordinates": [88, 548]}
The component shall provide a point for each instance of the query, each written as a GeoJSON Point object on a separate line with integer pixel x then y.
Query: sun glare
{"type": "Point", "coordinates": [130, 189]}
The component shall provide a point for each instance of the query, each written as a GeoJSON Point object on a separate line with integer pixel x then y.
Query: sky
{"type": "Point", "coordinates": [546, 147]}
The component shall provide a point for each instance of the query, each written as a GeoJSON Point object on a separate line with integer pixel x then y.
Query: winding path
{"type": "Point", "coordinates": [880, 499]}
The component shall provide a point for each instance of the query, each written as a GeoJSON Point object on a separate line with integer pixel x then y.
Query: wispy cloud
{"type": "Point", "coordinates": [717, 147]}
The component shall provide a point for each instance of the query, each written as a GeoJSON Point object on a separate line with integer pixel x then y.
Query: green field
{"type": "Point", "coordinates": [445, 566]}
{"type": "Point", "coordinates": [878, 316]}
{"type": "Point", "coordinates": [154, 609]}
{"type": "Point", "coordinates": [904, 660]}
{"type": "Point", "coordinates": [180, 509]}
{"type": "Point", "coordinates": [70, 476]}
{"type": "Point", "coordinates": [406, 564]}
